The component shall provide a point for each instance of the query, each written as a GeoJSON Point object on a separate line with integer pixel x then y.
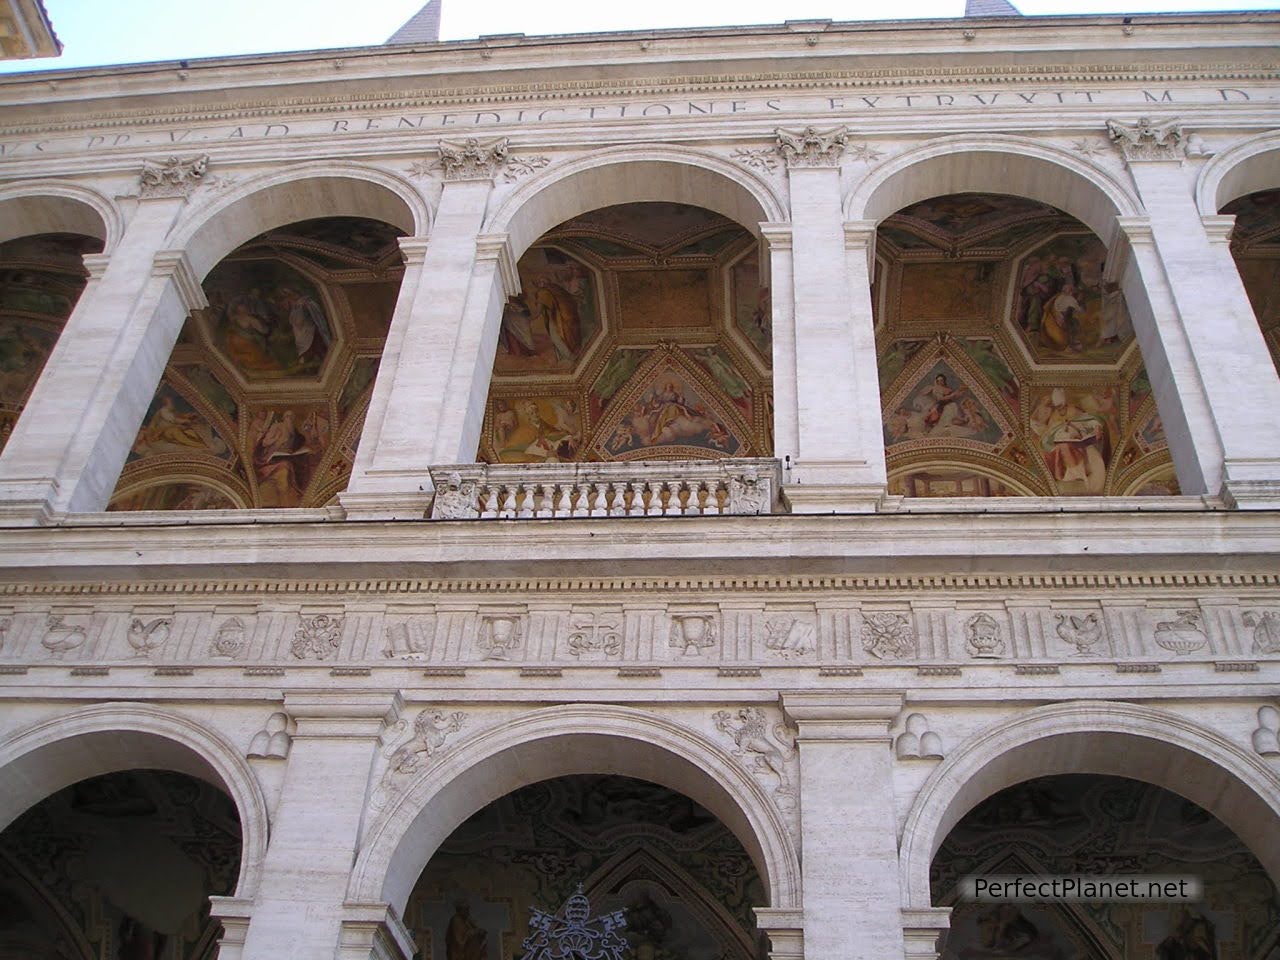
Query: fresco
{"type": "Point", "coordinates": [257, 398]}
{"type": "Point", "coordinates": [68, 890]}
{"type": "Point", "coordinates": [546, 328]}
{"type": "Point", "coordinates": [1255, 244]}
{"type": "Point", "coordinates": [670, 411]}
{"type": "Point", "coordinates": [1005, 300]}
{"type": "Point", "coordinates": [657, 290]}
{"type": "Point", "coordinates": [941, 405]}
{"type": "Point", "coordinates": [1068, 312]}
{"type": "Point", "coordinates": [684, 879]}
{"type": "Point", "coordinates": [1085, 824]}
{"type": "Point", "coordinates": [41, 278]}
{"type": "Point", "coordinates": [1076, 429]}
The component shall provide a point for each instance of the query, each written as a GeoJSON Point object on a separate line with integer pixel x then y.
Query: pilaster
{"type": "Point", "coordinates": [785, 930]}
{"type": "Point", "coordinates": [301, 909]}
{"type": "Point", "coordinates": [848, 826]}
{"type": "Point", "coordinates": [921, 929]}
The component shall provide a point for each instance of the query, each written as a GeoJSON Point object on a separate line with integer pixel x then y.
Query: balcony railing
{"type": "Point", "coordinates": [479, 491]}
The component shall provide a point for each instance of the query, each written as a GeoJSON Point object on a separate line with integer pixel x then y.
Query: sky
{"type": "Point", "coordinates": [97, 32]}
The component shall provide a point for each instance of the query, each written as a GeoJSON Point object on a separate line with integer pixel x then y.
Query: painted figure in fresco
{"type": "Point", "coordinates": [516, 334]}
{"type": "Point", "coordinates": [463, 940]}
{"type": "Point", "coordinates": [169, 430]}
{"type": "Point", "coordinates": [559, 311]}
{"type": "Point", "coordinates": [1061, 321]}
{"type": "Point", "coordinates": [1074, 441]}
{"type": "Point", "coordinates": [943, 395]}
{"type": "Point", "coordinates": [248, 327]}
{"type": "Point", "coordinates": [1192, 938]}
{"type": "Point", "coordinates": [667, 416]}
{"type": "Point", "coordinates": [22, 357]}
{"type": "Point", "coordinates": [311, 333]}
{"type": "Point", "coordinates": [282, 457]}
{"type": "Point", "coordinates": [1004, 927]}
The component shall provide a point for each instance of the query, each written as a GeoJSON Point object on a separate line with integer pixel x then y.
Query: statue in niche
{"type": "Point", "coordinates": [463, 940]}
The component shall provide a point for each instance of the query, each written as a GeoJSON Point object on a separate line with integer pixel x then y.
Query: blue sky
{"type": "Point", "coordinates": [97, 32]}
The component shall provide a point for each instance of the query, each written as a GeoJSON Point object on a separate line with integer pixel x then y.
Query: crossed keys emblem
{"type": "Point", "coordinates": [575, 935]}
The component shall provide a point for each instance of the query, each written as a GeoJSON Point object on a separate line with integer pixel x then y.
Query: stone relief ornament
{"type": "Point", "coordinates": [431, 729]}
{"type": "Point", "coordinates": [60, 636]}
{"type": "Point", "coordinates": [148, 635]}
{"type": "Point", "coordinates": [595, 635]}
{"type": "Point", "coordinates": [917, 741]}
{"type": "Point", "coordinates": [750, 494]}
{"type": "Point", "coordinates": [405, 643]}
{"type": "Point", "coordinates": [1146, 140]}
{"type": "Point", "coordinates": [575, 935]}
{"type": "Point", "coordinates": [1089, 147]}
{"type": "Point", "coordinates": [1266, 630]}
{"type": "Point", "coordinates": [273, 741]}
{"type": "Point", "coordinates": [865, 153]}
{"type": "Point", "coordinates": [888, 636]}
{"type": "Point", "coordinates": [1196, 147]}
{"type": "Point", "coordinates": [500, 634]}
{"type": "Point", "coordinates": [518, 167]}
{"type": "Point", "coordinates": [1183, 635]}
{"type": "Point", "coordinates": [1266, 739]}
{"type": "Point", "coordinates": [318, 636]}
{"type": "Point", "coordinates": [1083, 633]}
{"type": "Point", "coordinates": [173, 177]}
{"type": "Point", "coordinates": [456, 500]}
{"type": "Point", "coordinates": [766, 161]}
{"type": "Point", "coordinates": [473, 160]}
{"type": "Point", "coordinates": [229, 640]}
{"type": "Point", "coordinates": [768, 751]}
{"type": "Point", "coordinates": [6, 624]}
{"type": "Point", "coordinates": [811, 147]}
{"type": "Point", "coordinates": [790, 636]}
{"type": "Point", "coordinates": [692, 633]}
{"type": "Point", "coordinates": [983, 639]}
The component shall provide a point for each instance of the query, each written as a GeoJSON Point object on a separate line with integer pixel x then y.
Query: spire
{"type": "Point", "coordinates": [990, 8]}
{"type": "Point", "coordinates": [422, 27]}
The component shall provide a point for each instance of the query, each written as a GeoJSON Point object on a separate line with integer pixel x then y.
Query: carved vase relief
{"type": "Point", "coordinates": [693, 633]}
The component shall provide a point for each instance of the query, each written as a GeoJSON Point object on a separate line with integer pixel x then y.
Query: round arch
{"type": "Point", "coordinates": [301, 192]}
{"type": "Point", "coordinates": [634, 174]}
{"type": "Point", "coordinates": [1114, 739]}
{"type": "Point", "coordinates": [563, 741]}
{"type": "Point", "coordinates": [51, 206]}
{"type": "Point", "coordinates": [1244, 168]}
{"type": "Point", "coordinates": [111, 737]}
{"type": "Point", "coordinates": [995, 164]}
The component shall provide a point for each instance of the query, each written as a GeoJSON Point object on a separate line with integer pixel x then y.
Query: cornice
{"type": "Point", "coordinates": [203, 591]}
{"type": "Point", "coordinates": [489, 94]}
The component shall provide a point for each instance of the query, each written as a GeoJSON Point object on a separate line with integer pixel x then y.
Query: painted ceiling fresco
{"type": "Point", "coordinates": [264, 396]}
{"type": "Point", "coordinates": [685, 881]}
{"type": "Point", "coordinates": [70, 887]}
{"type": "Point", "coordinates": [41, 278]}
{"type": "Point", "coordinates": [1255, 243]}
{"type": "Point", "coordinates": [1093, 825]}
{"type": "Point", "coordinates": [1008, 364]}
{"type": "Point", "coordinates": [642, 332]}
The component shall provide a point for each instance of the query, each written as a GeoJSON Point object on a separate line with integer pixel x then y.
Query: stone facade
{"type": "Point", "coordinates": [806, 640]}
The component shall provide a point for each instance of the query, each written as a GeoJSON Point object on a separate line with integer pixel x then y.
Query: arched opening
{"type": "Point", "coordinates": [41, 278]}
{"type": "Point", "coordinates": [263, 398]}
{"type": "Point", "coordinates": [1008, 361]}
{"type": "Point", "coordinates": [120, 865]}
{"type": "Point", "coordinates": [1093, 825]}
{"type": "Point", "coordinates": [642, 332]}
{"type": "Point", "coordinates": [684, 880]}
{"type": "Point", "coordinates": [52, 207]}
{"type": "Point", "coordinates": [1255, 245]}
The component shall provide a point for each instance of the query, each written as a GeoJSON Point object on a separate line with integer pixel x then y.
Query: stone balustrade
{"type": "Point", "coordinates": [583, 490]}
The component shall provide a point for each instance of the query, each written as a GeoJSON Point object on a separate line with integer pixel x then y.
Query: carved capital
{"type": "Point", "coordinates": [811, 147]}
{"type": "Point", "coordinates": [1146, 140]}
{"type": "Point", "coordinates": [173, 177]}
{"type": "Point", "coordinates": [473, 160]}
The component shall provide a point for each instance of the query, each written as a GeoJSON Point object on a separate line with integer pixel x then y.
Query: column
{"type": "Point", "coordinates": [69, 445]}
{"type": "Point", "coordinates": [850, 875]}
{"type": "Point", "coordinates": [1214, 357]}
{"type": "Point", "coordinates": [839, 465]}
{"type": "Point", "coordinates": [300, 911]}
{"type": "Point", "coordinates": [437, 333]}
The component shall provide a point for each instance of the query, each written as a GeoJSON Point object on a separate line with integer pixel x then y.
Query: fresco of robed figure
{"type": "Point", "coordinates": [547, 326]}
{"type": "Point", "coordinates": [267, 319]}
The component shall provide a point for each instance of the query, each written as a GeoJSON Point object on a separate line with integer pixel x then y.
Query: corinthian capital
{"type": "Point", "coordinates": [471, 159]}
{"type": "Point", "coordinates": [1146, 140]}
{"type": "Point", "coordinates": [173, 177]}
{"type": "Point", "coordinates": [812, 148]}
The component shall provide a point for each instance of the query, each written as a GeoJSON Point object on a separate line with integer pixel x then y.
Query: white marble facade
{"type": "Point", "coordinates": [283, 654]}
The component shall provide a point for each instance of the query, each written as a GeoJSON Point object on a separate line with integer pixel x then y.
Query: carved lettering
{"type": "Point", "coordinates": [1165, 97]}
